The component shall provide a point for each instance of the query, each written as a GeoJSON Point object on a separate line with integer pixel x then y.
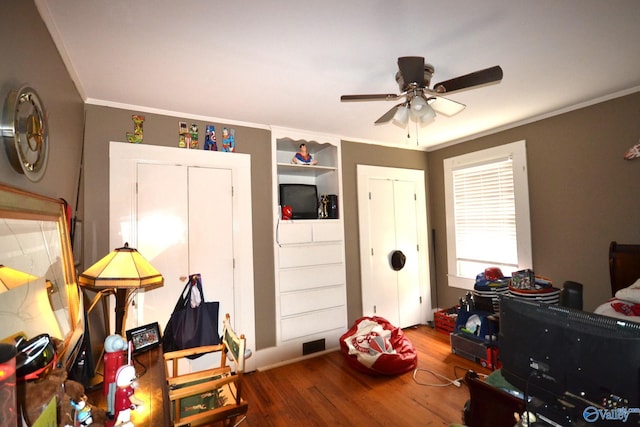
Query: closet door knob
{"type": "Point", "coordinates": [398, 259]}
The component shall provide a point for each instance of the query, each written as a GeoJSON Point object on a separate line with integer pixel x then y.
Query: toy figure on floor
{"type": "Point", "coordinates": [303, 157]}
{"type": "Point", "coordinates": [114, 346]}
{"type": "Point", "coordinates": [125, 400]}
{"type": "Point", "coordinates": [228, 140]}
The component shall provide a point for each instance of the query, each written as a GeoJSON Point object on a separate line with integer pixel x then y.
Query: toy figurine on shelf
{"type": "Point", "coordinates": [182, 135]}
{"type": "Point", "coordinates": [194, 135]}
{"type": "Point", "coordinates": [303, 157]}
{"type": "Point", "coordinates": [114, 346]}
{"type": "Point", "coordinates": [228, 140]}
{"type": "Point", "coordinates": [137, 135]}
{"type": "Point", "coordinates": [210, 142]}
{"type": "Point", "coordinates": [125, 400]}
{"type": "Point", "coordinates": [324, 204]}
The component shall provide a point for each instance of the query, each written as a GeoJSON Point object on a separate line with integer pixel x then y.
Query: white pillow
{"type": "Point", "coordinates": [631, 293]}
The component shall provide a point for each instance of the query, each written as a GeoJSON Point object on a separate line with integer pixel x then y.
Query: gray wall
{"type": "Point", "coordinates": [30, 56]}
{"type": "Point", "coordinates": [583, 194]}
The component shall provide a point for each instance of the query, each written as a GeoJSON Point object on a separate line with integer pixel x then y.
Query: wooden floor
{"type": "Point", "coordinates": [325, 391]}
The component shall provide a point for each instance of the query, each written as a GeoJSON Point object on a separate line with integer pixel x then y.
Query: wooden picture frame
{"type": "Point", "coordinates": [144, 338]}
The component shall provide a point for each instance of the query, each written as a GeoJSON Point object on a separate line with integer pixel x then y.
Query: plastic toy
{"type": "Point", "coordinates": [136, 136]}
{"type": "Point", "coordinates": [303, 156]}
{"type": "Point", "coordinates": [114, 346]}
{"type": "Point", "coordinates": [125, 400]}
{"type": "Point", "coordinates": [210, 142]}
{"type": "Point", "coordinates": [228, 140]}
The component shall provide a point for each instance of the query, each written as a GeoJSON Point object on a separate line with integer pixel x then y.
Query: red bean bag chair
{"type": "Point", "coordinates": [376, 347]}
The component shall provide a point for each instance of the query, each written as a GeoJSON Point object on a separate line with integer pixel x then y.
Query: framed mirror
{"type": "Point", "coordinates": [38, 288]}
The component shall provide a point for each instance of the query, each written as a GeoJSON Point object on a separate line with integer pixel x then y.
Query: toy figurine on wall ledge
{"type": "Point", "coordinates": [136, 136]}
{"type": "Point", "coordinates": [210, 142]}
{"type": "Point", "coordinates": [228, 140]}
{"type": "Point", "coordinates": [303, 157]}
{"type": "Point", "coordinates": [193, 130]}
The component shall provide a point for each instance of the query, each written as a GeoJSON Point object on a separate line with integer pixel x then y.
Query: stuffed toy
{"type": "Point", "coordinates": [81, 411]}
{"type": "Point", "coordinates": [35, 395]}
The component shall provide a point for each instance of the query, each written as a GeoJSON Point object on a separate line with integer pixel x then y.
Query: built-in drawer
{"type": "Point", "coordinates": [292, 232]}
{"type": "Point", "coordinates": [296, 279]}
{"type": "Point", "coordinates": [329, 231]}
{"type": "Point", "coordinates": [309, 231]}
{"type": "Point", "coordinates": [301, 256]}
{"type": "Point", "coordinates": [300, 302]}
{"type": "Point", "coordinates": [313, 323]}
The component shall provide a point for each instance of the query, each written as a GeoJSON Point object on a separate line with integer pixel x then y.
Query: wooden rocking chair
{"type": "Point", "coordinates": [211, 395]}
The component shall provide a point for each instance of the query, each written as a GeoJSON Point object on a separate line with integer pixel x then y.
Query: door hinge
{"type": "Point", "coordinates": [420, 300]}
{"type": "Point", "coordinates": [369, 195]}
{"type": "Point", "coordinates": [371, 251]}
{"type": "Point", "coordinates": [375, 309]}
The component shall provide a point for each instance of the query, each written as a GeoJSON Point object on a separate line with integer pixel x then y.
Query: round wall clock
{"type": "Point", "coordinates": [25, 132]}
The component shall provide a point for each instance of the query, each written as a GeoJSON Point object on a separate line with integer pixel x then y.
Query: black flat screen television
{"type": "Point", "coordinates": [580, 364]}
{"type": "Point", "coordinates": [303, 199]}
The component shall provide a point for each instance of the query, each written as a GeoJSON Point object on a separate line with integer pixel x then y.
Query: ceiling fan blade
{"type": "Point", "coordinates": [446, 106]}
{"type": "Point", "coordinates": [488, 75]}
{"type": "Point", "coordinates": [388, 115]}
{"type": "Point", "coordinates": [371, 97]}
{"type": "Point", "coordinates": [412, 69]}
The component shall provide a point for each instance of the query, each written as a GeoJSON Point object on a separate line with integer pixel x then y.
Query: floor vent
{"type": "Point", "coordinates": [313, 346]}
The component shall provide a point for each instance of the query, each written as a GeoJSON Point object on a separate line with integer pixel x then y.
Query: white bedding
{"type": "Point", "coordinates": [607, 310]}
{"type": "Point", "coordinates": [629, 295]}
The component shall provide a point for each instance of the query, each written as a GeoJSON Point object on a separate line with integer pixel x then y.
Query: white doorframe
{"type": "Point", "coordinates": [122, 213]}
{"type": "Point", "coordinates": [365, 173]}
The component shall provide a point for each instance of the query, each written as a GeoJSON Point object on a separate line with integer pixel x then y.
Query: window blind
{"type": "Point", "coordinates": [485, 217]}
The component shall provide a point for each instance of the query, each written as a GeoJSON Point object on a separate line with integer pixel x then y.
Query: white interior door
{"type": "Point", "coordinates": [162, 204]}
{"type": "Point", "coordinates": [211, 234]}
{"type": "Point", "coordinates": [191, 205]}
{"type": "Point", "coordinates": [380, 298]}
{"type": "Point", "coordinates": [392, 214]}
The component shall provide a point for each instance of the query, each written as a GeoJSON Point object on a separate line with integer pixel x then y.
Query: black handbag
{"type": "Point", "coordinates": [193, 322]}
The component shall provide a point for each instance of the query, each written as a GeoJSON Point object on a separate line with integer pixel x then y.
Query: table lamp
{"type": "Point", "coordinates": [124, 270]}
{"type": "Point", "coordinates": [11, 278]}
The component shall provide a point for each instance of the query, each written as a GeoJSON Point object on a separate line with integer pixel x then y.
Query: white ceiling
{"type": "Point", "coordinates": [286, 62]}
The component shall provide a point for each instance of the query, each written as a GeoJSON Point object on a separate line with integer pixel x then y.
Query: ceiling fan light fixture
{"type": "Point", "coordinates": [419, 107]}
{"type": "Point", "coordinates": [427, 117]}
{"type": "Point", "coordinates": [401, 117]}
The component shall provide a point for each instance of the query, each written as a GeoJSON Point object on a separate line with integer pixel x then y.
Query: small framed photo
{"type": "Point", "coordinates": [144, 337]}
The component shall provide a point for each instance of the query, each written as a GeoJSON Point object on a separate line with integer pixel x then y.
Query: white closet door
{"type": "Point", "coordinates": [382, 296]}
{"type": "Point", "coordinates": [163, 233]}
{"type": "Point", "coordinates": [407, 241]}
{"type": "Point", "coordinates": [211, 234]}
{"type": "Point", "coordinates": [392, 217]}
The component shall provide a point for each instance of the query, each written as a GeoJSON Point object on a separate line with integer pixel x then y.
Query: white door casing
{"type": "Point", "coordinates": [214, 180]}
{"type": "Point", "coordinates": [394, 217]}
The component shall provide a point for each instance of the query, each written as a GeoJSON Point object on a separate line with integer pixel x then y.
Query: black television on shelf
{"type": "Point", "coordinates": [581, 368]}
{"type": "Point", "coordinates": [303, 199]}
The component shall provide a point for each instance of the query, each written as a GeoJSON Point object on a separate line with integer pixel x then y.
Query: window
{"type": "Point", "coordinates": [487, 212]}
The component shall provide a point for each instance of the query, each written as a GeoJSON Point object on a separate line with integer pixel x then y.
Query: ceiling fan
{"type": "Point", "coordinates": [421, 102]}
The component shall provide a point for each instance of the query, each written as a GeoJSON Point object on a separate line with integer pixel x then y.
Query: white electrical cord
{"type": "Point", "coordinates": [447, 381]}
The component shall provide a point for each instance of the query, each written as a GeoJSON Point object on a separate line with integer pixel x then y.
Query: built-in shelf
{"type": "Point", "coordinates": [309, 254]}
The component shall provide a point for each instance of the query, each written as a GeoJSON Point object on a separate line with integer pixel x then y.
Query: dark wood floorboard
{"type": "Point", "coordinates": [326, 391]}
